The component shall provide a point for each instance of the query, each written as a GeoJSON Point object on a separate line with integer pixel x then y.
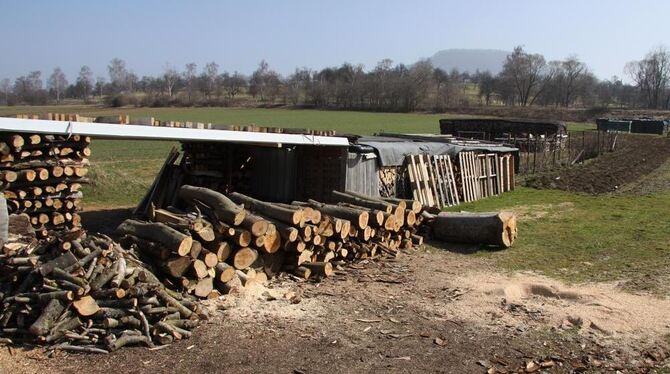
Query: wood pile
{"type": "Point", "coordinates": [85, 293]}
{"type": "Point", "coordinates": [219, 243]}
{"type": "Point", "coordinates": [42, 176]}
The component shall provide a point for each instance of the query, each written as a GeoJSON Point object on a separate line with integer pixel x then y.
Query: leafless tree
{"type": "Point", "coordinates": [85, 81]}
{"type": "Point", "coordinates": [209, 79]}
{"type": "Point", "coordinates": [190, 76]}
{"type": "Point", "coordinates": [99, 85]}
{"type": "Point", "coordinates": [651, 76]}
{"type": "Point", "coordinates": [233, 84]}
{"type": "Point", "coordinates": [170, 78]}
{"type": "Point", "coordinates": [118, 75]}
{"type": "Point", "coordinates": [57, 82]}
{"type": "Point", "coordinates": [6, 88]}
{"type": "Point", "coordinates": [527, 74]}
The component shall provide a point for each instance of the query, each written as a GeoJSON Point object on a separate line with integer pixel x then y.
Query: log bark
{"type": "Point", "coordinates": [46, 320]}
{"type": "Point", "coordinates": [348, 197]}
{"type": "Point", "coordinates": [477, 228]}
{"type": "Point", "coordinates": [357, 216]}
{"type": "Point", "coordinates": [158, 232]}
{"type": "Point", "coordinates": [286, 215]}
{"type": "Point", "coordinates": [224, 209]}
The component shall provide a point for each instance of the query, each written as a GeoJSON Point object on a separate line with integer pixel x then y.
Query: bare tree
{"type": "Point", "coordinates": [99, 85]}
{"type": "Point", "coordinates": [170, 78]}
{"type": "Point", "coordinates": [6, 88]}
{"type": "Point", "coordinates": [441, 78]}
{"type": "Point", "coordinates": [651, 76]}
{"type": "Point", "coordinates": [190, 76]}
{"type": "Point", "coordinates": [85, 81]}
{"type": "Point", "coordinates": [526, 73]}
{"type": "Point", "coordinates": [233, 84]}
{"type": "Point", "coordinates": [118, 74]}
{"type": "Point", "coordinates": [487, 86]}
{"type": "Point", "coordinates": [57, 82]}
{"type": "Point", "coordinates": [209, 79]}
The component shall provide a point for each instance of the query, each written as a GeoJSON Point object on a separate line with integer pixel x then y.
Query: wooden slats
{"type": "Point", "coordinates": [432, 180]}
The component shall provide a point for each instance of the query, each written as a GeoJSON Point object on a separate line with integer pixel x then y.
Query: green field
{"type": "Point", "coordinates": [580, 237]}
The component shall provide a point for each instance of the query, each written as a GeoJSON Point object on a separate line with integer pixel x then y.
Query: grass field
{"type": "Point", "coordinates": [579, 237]}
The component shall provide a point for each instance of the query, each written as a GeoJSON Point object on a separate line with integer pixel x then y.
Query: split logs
{"type": "Point", "coordinates": [89, 296]}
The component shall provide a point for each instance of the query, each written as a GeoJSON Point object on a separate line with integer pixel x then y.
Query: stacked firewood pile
{"type": "Point", "coordinates": [42, 175]}
{"type": "Point", "coordinates": [86, 293]}
{"type": "Point", "coordinates": [223, 242]}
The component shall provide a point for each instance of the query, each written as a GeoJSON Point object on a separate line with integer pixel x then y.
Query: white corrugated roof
{"type": "Point", "coordinates": [114, 131]}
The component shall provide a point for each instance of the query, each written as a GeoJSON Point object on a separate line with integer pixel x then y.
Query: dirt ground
{"type": "Point", "coordinates": [635, 157]}
{"type": "Point", "coordinates": [430, 310]}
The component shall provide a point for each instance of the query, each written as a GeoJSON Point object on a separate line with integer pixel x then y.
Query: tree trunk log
{"type": "Point", "coordinates": [224, 209]}
{"type": "Point", "coordinates": [476, 228]}
{"type": "Point", "coordinates": [348, 197]}
{"type": "Point", "coordinates": [286, 215]}
{"type": "Point", "coordinates": [158, 232]}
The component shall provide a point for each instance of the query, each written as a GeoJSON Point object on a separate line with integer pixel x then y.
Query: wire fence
{"type": "Point", "coordinates": [542, 154]}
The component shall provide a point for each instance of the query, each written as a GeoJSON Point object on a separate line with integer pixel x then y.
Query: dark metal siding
{"type": "Point", "coordinates": [274, 173]}
{"type": "Point", "coordinates": [362, 174]}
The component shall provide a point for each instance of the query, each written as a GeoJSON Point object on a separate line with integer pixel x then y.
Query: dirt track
{"type": "Point", "coordinates": [423, 313]}
{"type": "Point", "coordinates": [634, 157]}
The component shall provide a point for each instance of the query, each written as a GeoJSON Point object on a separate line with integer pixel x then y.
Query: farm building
{"type": "Point", "coordinates": [493, 129]}
{"type": "Point", "coordinates": [635, 126]}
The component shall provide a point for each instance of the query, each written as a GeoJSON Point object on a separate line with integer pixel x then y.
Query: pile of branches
{"type": "Point", "coordinates": [219, 243]}
{"type": "Point", "coordinates": [42, 175]}
{"type": "Point", "coordinates": [85, 293]}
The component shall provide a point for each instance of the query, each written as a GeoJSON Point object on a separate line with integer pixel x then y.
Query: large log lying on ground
{"type": "Point", "coordinates": [478, 228]}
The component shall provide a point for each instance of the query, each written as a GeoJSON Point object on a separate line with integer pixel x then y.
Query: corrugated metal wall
{"type": "Point", "coordinates": [274, 173]}
{"type": "Point", "coordinates": [362, 174]}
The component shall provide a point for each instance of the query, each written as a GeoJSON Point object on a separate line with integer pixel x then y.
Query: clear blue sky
{"type": "Point", "coordinates": [38, 35]}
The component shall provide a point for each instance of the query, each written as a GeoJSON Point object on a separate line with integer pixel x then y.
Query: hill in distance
{"type": "Point", "coordinates": [470, 60]}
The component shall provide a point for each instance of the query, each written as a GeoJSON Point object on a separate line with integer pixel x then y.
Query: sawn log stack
{"type": "Point", "coordinates": [218, 243]}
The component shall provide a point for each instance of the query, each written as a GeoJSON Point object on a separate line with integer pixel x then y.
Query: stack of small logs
{"type": "Point", "coordinates": [42, 176]}
{"type": "Point", "coordinates": [85, 293]}
{"type": "Point", "coordinates": [219, 243]}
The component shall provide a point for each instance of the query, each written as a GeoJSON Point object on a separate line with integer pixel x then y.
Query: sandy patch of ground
{"type": "Point", "coordinates": [530, 301]}
{"type": "Point", "coordinates": [539, 211]}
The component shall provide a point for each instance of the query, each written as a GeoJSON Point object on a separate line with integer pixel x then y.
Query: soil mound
{"type": "Point", "coordinates": [634, 157]}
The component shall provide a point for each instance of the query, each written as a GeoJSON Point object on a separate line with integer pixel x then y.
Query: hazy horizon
{"type": "Point", "coordinates": [149, 35]}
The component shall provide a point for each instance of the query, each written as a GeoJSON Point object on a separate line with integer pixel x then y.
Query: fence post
{"type": "Point", "coordinates": [535, 155]}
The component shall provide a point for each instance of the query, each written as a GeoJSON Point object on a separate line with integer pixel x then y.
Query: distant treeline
{"type": "Point", "coordinates": [526, 79]}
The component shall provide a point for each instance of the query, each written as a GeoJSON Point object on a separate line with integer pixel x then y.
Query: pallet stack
{"type": "Point", "coordinates": [85, 293]}
{"type": "Point", "coordinates": [484, 175]}
{"type": "Point", "coordinates": [432, 180]}
{"type": "Point", "coordinates": [42, 176]}
{"type": "Point", "coordinates": [219, 242]}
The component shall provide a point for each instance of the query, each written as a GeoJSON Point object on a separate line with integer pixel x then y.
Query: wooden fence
{"type": "Point", "coordinates": [542, 154]}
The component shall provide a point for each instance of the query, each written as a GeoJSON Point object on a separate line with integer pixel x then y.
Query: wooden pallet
{"type": "Point", "coordinates": [432, 180]}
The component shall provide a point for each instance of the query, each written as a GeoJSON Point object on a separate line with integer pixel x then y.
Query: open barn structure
{"type": "Point", "coordinates": [497, 129]}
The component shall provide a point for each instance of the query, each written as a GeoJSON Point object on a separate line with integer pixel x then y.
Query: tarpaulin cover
{"type": "Point", "coordinates": [392, 151]}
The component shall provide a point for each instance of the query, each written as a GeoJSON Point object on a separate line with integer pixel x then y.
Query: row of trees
{"type": "Point", "coordinates": [526, 79]}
